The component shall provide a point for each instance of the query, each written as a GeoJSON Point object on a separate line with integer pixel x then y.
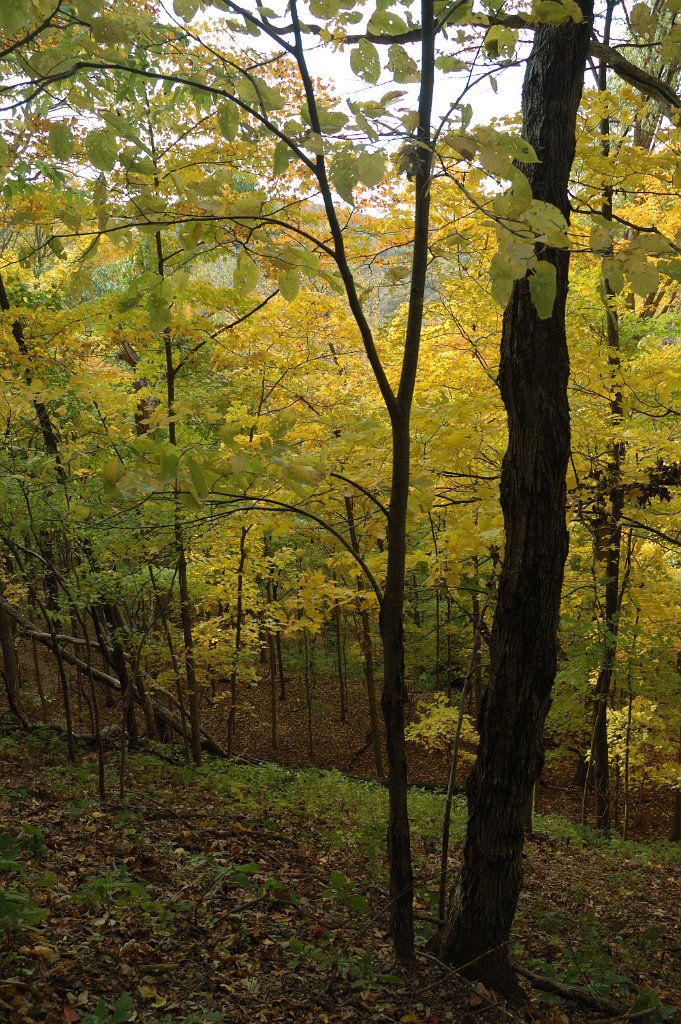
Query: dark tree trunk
{"type": "Point", "coordinates": [234, 674]}
{"type": "Point", "coordinates": [610, 526]}
{"type": "Point", "coordinates": [675, 835]}
{"type": "Point", "coordinates": [119, 662]}
{"type": "Point", "coordinates": [392, 704]}
{"type": "Point", "coordinates": [600, 752]}
{"type": "Point", "coordinates": [10, 662]}
{"type": "Point", "coordinates": [367, 653]}
{"type": "Point", "coordinates": [533, 379]}
{"type": "Point", "coordinates": [392, 610]}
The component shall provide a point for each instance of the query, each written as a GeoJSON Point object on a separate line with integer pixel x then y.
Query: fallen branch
{"type": "Point", "coordinates": [571, 992]}
{"type": "Point", "coordinates": [63, 638]}
{"type": "Point", "coordinates": [163, 714]}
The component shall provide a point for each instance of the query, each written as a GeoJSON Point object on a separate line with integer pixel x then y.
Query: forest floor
{"type": "Point", "coordinates": [254, 894]}
{"type": "Point", "coordinates": [311, 733]}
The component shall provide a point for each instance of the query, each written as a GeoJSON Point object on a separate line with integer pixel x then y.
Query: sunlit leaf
{"type": "Point", "coordinates": [365, 61]}
{"type": "Point", "coordinates": [543, 288]}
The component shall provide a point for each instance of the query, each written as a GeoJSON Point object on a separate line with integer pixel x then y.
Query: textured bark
{"type": "Point", "coordinates": [533, 379]}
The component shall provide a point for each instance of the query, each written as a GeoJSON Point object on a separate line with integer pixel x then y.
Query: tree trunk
{"type": "Point", "coordinates": [367, 653]}
{"type": "Point", "coordinates": [342, 683]}
{"type": "Point", "coordinates": [533, 379]}
{"type": "Point", "coordinates": [675, 835]}
{"type": "Point", "coordinates": [392, 704]}
{"type": "Point", "coordinates": [609, 528]}
{"type": "Point", "coordinates": [10, 661]}
{"type": "Point", "coordinates": [119, 663]}
{"type": "Point", "coordinates": [234, 674]}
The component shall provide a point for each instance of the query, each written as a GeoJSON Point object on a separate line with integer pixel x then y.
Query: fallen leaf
{"type": "Point", "coordinates": [44, 952]}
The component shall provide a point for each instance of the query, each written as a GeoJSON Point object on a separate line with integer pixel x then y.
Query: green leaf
{"type": "Point", "coordinates": [386, 22]}
{"type": "Point", "coordinates": [518, 198]}
{"type": "Point", "coordinates": [314, 142]}
{"type": "Point", "coordinates": [158, 309]}
{"type": "Point", "coordinates": [167, 466]}
{"type": "Point", "coordinates": [61, 141]}
{"type": "Point", "coordinates": [402, 67]}
{"type": "Point", "coordinates": [543, 288]}
{"type": "Point", "coordinates": [227, 119]}
{"type": "Point", "coordinates": [500, 41]}
{"type": "Point", "coordinates": [189, 500]}
{"type": "Point", "coordinates": [324, 9]}
{"type": "Point", "coordinates": [671, 268]}
{"type": "Point", "coordinates": [88, 8]}
{"type": "Point", "coordinates": [330, 121]}
{"type": "Point", "coordinates": [198, 478]}
{"type": "Point", "coordinates": [303, 258]}
{"type": "Point", "coordinates": [248, 208]}
{"type": "Point", "coordinates": [344, 175]}
{"type": "Point", "coordinates": [548, 12]}
{"type": "Point", "coordinates": [600, 235]}
{"type": "Point", "coordinates": [548, 223]}
{"type": "Point", "coordinates": [123, 1009]}
{"type": "Point", "coordinates": [101, 149]}
{"type": "Point", "coordinates": [503, 273]}
{"type": "Point", "coordinates": [521, 150]}
{"type": "Point", "coordinates": [365, 61]}
{"type": "Point", "coordinates": [574, 10]}
{"type": "Point", "coordinates": [613, 275]}
{"type": "Point", "coordinates": [56, 245]}
{"type": "Point", "coordinates": [14, 16]}
{"type": "Point", "coordinates": [643, 276]}
{"type": "Point", "coordinates": [109, 30]}
{"type": "Point", "coordinates": [246, 274]}
{"type": "Point", "coordinates": [139, 164]}
{"type": "Point", "coordinates": [643, 21]}
{"type": "Point", "coordinates": [185, 9]}
{"type": "Point", "coordinates": [257, 93]}
{"type": "Point", "coordinates": [370, 168]}
{"type": "Point", "coordinates": [449, 64]}
{"type": "Point", "coordinates": [289, 284]}
{"type": "Point", "coordinates": [282, 158]}
{"type": "Point", "coordinates": [71, 218]}
{"type": "Point", "coordinates": [362, 122]}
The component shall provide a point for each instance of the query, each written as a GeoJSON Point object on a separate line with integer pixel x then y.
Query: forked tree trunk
{"type": "Point", "coordinates": [533, 379]}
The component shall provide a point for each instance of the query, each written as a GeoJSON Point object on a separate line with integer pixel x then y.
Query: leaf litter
{"type": "Point", "coordinates": [233, 894]}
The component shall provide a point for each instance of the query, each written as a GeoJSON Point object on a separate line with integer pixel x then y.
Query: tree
{"type": "Point", "coordinates": [533, 378]}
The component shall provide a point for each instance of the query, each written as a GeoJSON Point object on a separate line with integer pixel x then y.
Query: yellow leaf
{"type": "Point", "coordinates": [44, 952]}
